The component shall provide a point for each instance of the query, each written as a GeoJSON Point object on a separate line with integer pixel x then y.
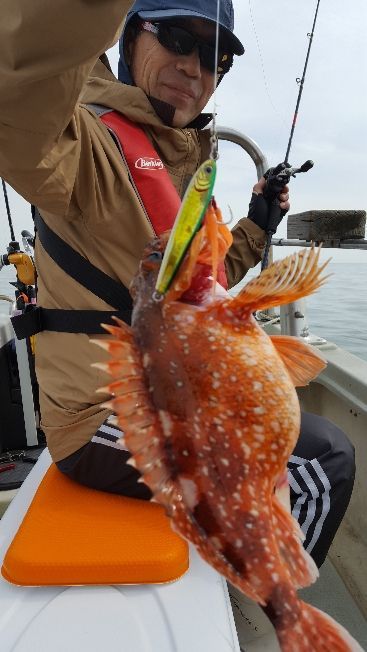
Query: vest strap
{"type": "Point", "coordinates": [80, 269]}
{"type": "Point", "coordinates": [35, 320]}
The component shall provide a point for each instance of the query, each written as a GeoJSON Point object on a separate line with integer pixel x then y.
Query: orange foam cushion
{"type": "Point", "coordinates": [75, 535]}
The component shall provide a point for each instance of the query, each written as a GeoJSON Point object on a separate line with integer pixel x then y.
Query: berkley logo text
{"type": "Point", "coordinates": [147, 163]}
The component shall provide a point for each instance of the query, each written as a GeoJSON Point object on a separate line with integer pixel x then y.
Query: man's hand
{"type": "Point", "coordinates": [259, 208]}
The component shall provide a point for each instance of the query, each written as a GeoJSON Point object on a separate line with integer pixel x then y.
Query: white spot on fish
{"type": "Point", "coordinates": [216, 542]}
{"type": "Point", "coordinates": [250, 362]}
{"type": "Point", "coordinates": [246, 449]}
{"type": "Point", "coordinates": [225, 462]}
{"type": "Point", "coordinates": [258, 387]}
{"type": "Point", "coordinates": [166, 422]}
{"type": "Point", "coordinates": [146, 360]}
{"type": "Point", "coordinates": [275, 577]}
{"type": "Point", "coordinates": [258, 410]}
{"type": "Point", "coordinates": [274, 425]}
{"type": "Point", "coordinates": [238, 543]}
{"type": "Point", "coordinates": [260, 438]}
{"type": "Point", "coordinates": [189, 491]}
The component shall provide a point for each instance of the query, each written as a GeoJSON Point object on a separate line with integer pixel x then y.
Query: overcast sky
{"type": "Point", "coordinates": [258, 98]}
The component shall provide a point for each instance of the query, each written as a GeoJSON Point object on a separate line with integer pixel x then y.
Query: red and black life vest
{"type": "Point", "coordinates": [151, 182]}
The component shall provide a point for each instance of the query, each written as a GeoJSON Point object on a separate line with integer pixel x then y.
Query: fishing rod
{"type": "Point", "coordinates": [12, 235]}
{"type": "Point", "coordinates": [278, 177]}
{"type": "Point", "coordinates": [22, 260]}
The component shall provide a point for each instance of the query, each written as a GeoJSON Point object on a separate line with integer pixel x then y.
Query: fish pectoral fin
{"type": "Point", "coordinates": [302, 362]}
{"type": "Point", "coordinates": [283, 282]}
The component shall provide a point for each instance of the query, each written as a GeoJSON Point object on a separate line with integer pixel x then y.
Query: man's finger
{"type": "Point", "coordinates": [258, 188]}
{"type": "Point", "coordinates": [285, 206]}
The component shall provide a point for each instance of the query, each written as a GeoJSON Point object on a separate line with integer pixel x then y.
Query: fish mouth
{"type": "Point", "coordinates": [195, 280]}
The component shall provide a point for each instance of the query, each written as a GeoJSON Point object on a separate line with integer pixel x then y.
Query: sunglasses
{"type": "Point", "coordinates": [180, 41]}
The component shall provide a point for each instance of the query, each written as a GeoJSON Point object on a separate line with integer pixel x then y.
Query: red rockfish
{"type": "Point", "coordinates": [210, 414]}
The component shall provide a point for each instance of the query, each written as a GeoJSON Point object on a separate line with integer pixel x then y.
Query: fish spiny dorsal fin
{"type": "Point", "coordinates": [283, 282]}
{"type": "Point", "coordinates": [303, 363]}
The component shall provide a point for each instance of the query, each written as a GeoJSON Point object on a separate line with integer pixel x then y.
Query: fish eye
{"type": "Point", "coordinates": [155, 256]}
{"type": "Point", "coordinates": [208, 169]}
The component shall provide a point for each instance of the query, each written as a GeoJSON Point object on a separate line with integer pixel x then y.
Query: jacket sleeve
{"type": "Point", "coordinates": [47, 49]}
{"type": "Point", "coordinates": [245, 252]}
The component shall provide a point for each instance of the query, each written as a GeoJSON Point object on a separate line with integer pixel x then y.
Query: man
{"type": "Point", "coordinates": [57, 152]}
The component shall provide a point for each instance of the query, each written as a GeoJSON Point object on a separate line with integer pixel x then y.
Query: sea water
{"type": "Point", "coordinates": [337, 312]}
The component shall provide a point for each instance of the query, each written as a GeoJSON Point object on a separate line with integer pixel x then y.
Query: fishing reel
{"type": "Point", "coordinates": [276, 179]}
{"type": "Point", "coordinates": [25, 269]}
{"type": "Point", "coordinates": [21, 261]}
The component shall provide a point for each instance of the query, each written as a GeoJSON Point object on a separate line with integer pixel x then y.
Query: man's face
{"type": "Point", "coordinates": [179, 80]}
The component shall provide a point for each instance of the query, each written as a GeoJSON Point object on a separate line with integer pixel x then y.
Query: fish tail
{"type": "Point", "coordinates": [313, 631]}
{"type": "Point", "coordinates": [303, 570]}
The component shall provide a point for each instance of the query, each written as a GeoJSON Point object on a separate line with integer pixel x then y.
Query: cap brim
{"type": "Point", "coordinates": [158, 14]}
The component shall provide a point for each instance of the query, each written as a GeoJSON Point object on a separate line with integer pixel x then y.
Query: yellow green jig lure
{"type": "Point", "coordinates": [188, 221]}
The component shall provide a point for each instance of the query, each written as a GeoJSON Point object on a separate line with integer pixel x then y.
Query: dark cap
{"type": "Point", "coordinates": [205, 9]}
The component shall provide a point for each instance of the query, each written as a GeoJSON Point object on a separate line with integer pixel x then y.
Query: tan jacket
{"type": "Point", "coordinates": [59, 156]}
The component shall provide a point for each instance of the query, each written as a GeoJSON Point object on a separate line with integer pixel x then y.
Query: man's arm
{"type": "Point", "coordinates": [47, 49]}
{"type": "Point", "coordinates": [249, 235]}
{"type": "Point", "coordinates": [245, 251]}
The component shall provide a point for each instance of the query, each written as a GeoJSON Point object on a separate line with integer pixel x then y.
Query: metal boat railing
{"type": "Point", "coordinates": [293, 316]}
{"type": "Point", "coordinates": [333, 244]}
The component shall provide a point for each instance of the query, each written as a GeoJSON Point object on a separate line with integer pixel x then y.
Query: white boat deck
{"type": "Point", "coordinates": [192, 614]}
{"type": "Point", "coordinates": [255, 631]}
{"type": "Point", "coordinates": [331, 595]}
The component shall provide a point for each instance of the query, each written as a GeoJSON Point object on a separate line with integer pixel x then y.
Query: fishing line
{"type": "Point", "coordinates": [267, 88]}
{"type": "Point", "coordinates": [214, 153]}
